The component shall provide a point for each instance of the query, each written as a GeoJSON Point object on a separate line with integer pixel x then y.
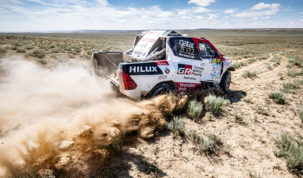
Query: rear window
{"type": "Point", "coordinates": [184, 47]}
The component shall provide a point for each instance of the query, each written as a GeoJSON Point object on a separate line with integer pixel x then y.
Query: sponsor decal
{"type": "Point", "coordinates": [166, 70]}
{"type": "Point", "coordinates": [142, 69]}
{"type": "Point", "coordinates": [216, 61]}
{"type": "Point", "coordinates": [189, 70]}
{"type": "Point", "coordinates": [186, 43]}
{"type": "Point", "coordinates": [197, 71]}
{"type": "Point", "coordinates": [189, 78]}
{"type": "Point", "coordinates": [162, 77]}
{"type": "Point", "coordinates": [162, 63]}
{"type": "Point", "coordinates": [183, 87]}
{"type": "Point", "coordinates": [184, 69]}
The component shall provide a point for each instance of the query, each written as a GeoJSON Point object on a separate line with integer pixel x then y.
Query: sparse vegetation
{"type": "Point", "coordinates": [239, 119]}
{"type": "Point", "coordinates": [211, 146]}
{"type": "Point", "coordinates": [249, 74]}
{"type": "Point", "coordinates": [238, 65]}
{"type": "Point", "coordinates": [292, 150]}
{"type": "Point", "coordinates": [2, 51]}
{"type": "Point", "coordinates": [215, 104]}
{"type": "Point", "coordinates": [195, 109]}
{"type": "Point", "coordinates": [38, 53]}
{"type": "Point", "coordinates": [20, 50]}
{"type": "Point", "coordinates": [262, 110]}
{"type": "Point", "coordinates": [177, 126]}
{"type": "Point", "coordinates": [278, 97]}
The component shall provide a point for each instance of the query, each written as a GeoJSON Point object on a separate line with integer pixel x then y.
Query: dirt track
{"type": "Point", "coordinates": [252, 145]}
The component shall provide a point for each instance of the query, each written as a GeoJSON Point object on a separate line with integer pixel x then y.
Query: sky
{"type": "Point", "coordinates": [65, 15]}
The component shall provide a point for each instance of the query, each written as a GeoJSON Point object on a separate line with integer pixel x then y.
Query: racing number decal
{"type": "Point", "coordinates": [184, 47]}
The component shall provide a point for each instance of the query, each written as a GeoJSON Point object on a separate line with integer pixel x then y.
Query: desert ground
{"type": "Point", "coordinates": [57, 119]}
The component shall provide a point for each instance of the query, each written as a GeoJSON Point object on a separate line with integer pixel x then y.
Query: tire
{"type": "Point", "coordinates": [225, 82]}
{"type": "Point", "coordinates": [160, 89]}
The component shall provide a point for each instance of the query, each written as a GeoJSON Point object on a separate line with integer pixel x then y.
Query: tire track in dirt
{"type": "Point", "coordinates": [264, 75]}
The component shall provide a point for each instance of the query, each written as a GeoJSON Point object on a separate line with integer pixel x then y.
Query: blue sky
{"type": "Point", "coordinates": [55, 15]}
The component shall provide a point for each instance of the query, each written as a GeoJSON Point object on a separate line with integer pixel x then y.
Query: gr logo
{"type": "Point", "coordinates": [185, 69]}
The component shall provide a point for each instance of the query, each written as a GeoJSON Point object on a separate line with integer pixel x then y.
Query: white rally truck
{"type": "Point", "coordinates": [165, 61]}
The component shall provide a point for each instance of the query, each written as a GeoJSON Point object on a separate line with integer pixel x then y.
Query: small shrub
{"type": "Point", "coordinates": [3, 51]}
{"type": "Point", "coordinates": [55, 50]}
{"type": "Point", "coordinates": [89, 53]}
{"type": "Point", "coordinates": [38, 53]}
{"type": "Point", "coordinates": [29, 47]}
{"type": "Point", "coordinates": [262, 110]}
{"type": "Point", "coordinates": [289, 86]}
{"type": "Point", "coordinates": [254, 175]}
{"type": "Point", "coordinates": [294, 73]}
{"type": "Point", "coordinates": [300, 112]}
{"type": "Point", "coordinates": [211, 146]}
{"type": "Point", "coordinates": [215, 104]}
{"type": "Point", "coordinates": [292, 150]}
{"type": "Point", "coordinates": [20, 50]}
{"type": "Point", "coordinates": [278, 97]}
{"type": "Point", "coordinates": [264, 56]}
{"type": "Point", "coordinates": [177, 126]}
{"type": "Point", "coordinates": [237, 65]}
{"type": "Point", "coordinates": [249, 74]}
{"type": "Point", "coordinates": [195, 109]}
{"type": "Point", "coordinates": [252, 60]}
{"type": "Point", "coordinates": [239, 119]}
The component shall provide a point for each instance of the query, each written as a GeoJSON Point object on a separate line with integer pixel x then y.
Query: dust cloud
{"type": "Point", "coordinates": [65, 121]}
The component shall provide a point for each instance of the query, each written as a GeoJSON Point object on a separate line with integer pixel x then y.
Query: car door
{"type": "Point", "coordinates": [211, 64]}
{"type": "Point", "coordinates": [188, 62]}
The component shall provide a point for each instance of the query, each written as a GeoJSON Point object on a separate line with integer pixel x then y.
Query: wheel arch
{"type": "Point", "coordinates": [170, 82]}
{"type": "Point", "coordinates": [231, 69]}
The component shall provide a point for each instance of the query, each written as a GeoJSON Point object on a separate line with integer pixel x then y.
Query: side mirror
{"type": "Point", "coordinates": [217, 54]}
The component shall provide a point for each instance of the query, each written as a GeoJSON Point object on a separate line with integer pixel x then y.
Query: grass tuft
{"type": "Point", "coordinates": [292, 150]}
{"type": "Point", "coordinates": [37, 53]}
{"type": "Point", "coordinates": [177, 126]}
{"type": "Point", "coordinates": [278, 97]}
{"type": "Point", "coordinates": [195, 109]}
{"type": "Point", "coordinates": [215, 104]}
{"type": "Point", "coordinates": [249, 74]}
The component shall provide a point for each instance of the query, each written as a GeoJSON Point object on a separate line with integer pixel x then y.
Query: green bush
{"type": "Point", "coordinates": [20, 50]}
{"type": "Point", "coordinates": [195, 109]}
{"type": "Point", "coordinates": [289, 86]}
{"type": "Point", "coordinates": [215, 104]}
{"type": "Point", "coordinates": [237, 65]}
{"type": "Point", "coordinates": [177, 126]}
{"type": "Point", "coordinates": [3, 51]}
{"type": "Point", "coordinates": [249, 74]}
{"type": "Point", "coordinates": [278, 97]}
{"type": "Point", "coordinates": [292, 150]}
{"type": "Point", "coordinates": [252, 60]}
{"type": "Point", "coordinates": [29, 47]}
{"type": "Point", "coordinates": [38, 53]}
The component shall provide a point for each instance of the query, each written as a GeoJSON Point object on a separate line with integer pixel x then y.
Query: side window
{"type": "Point", "coordinates": [184, 47]}
{"type": "Point", "coordinates": [206, 51]}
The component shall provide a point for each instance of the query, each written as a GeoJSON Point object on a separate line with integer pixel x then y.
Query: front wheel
{"type": "Point", "coordinates": [225, 82]}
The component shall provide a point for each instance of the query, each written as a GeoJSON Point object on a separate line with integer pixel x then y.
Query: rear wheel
{"type": "Point", "coordinates": [225, 82]}
{"type": "Point", "coordinates": [160, 89]}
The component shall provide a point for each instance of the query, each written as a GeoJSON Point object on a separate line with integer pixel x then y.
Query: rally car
{"type": "Point", "coordinates": [165, 61]}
